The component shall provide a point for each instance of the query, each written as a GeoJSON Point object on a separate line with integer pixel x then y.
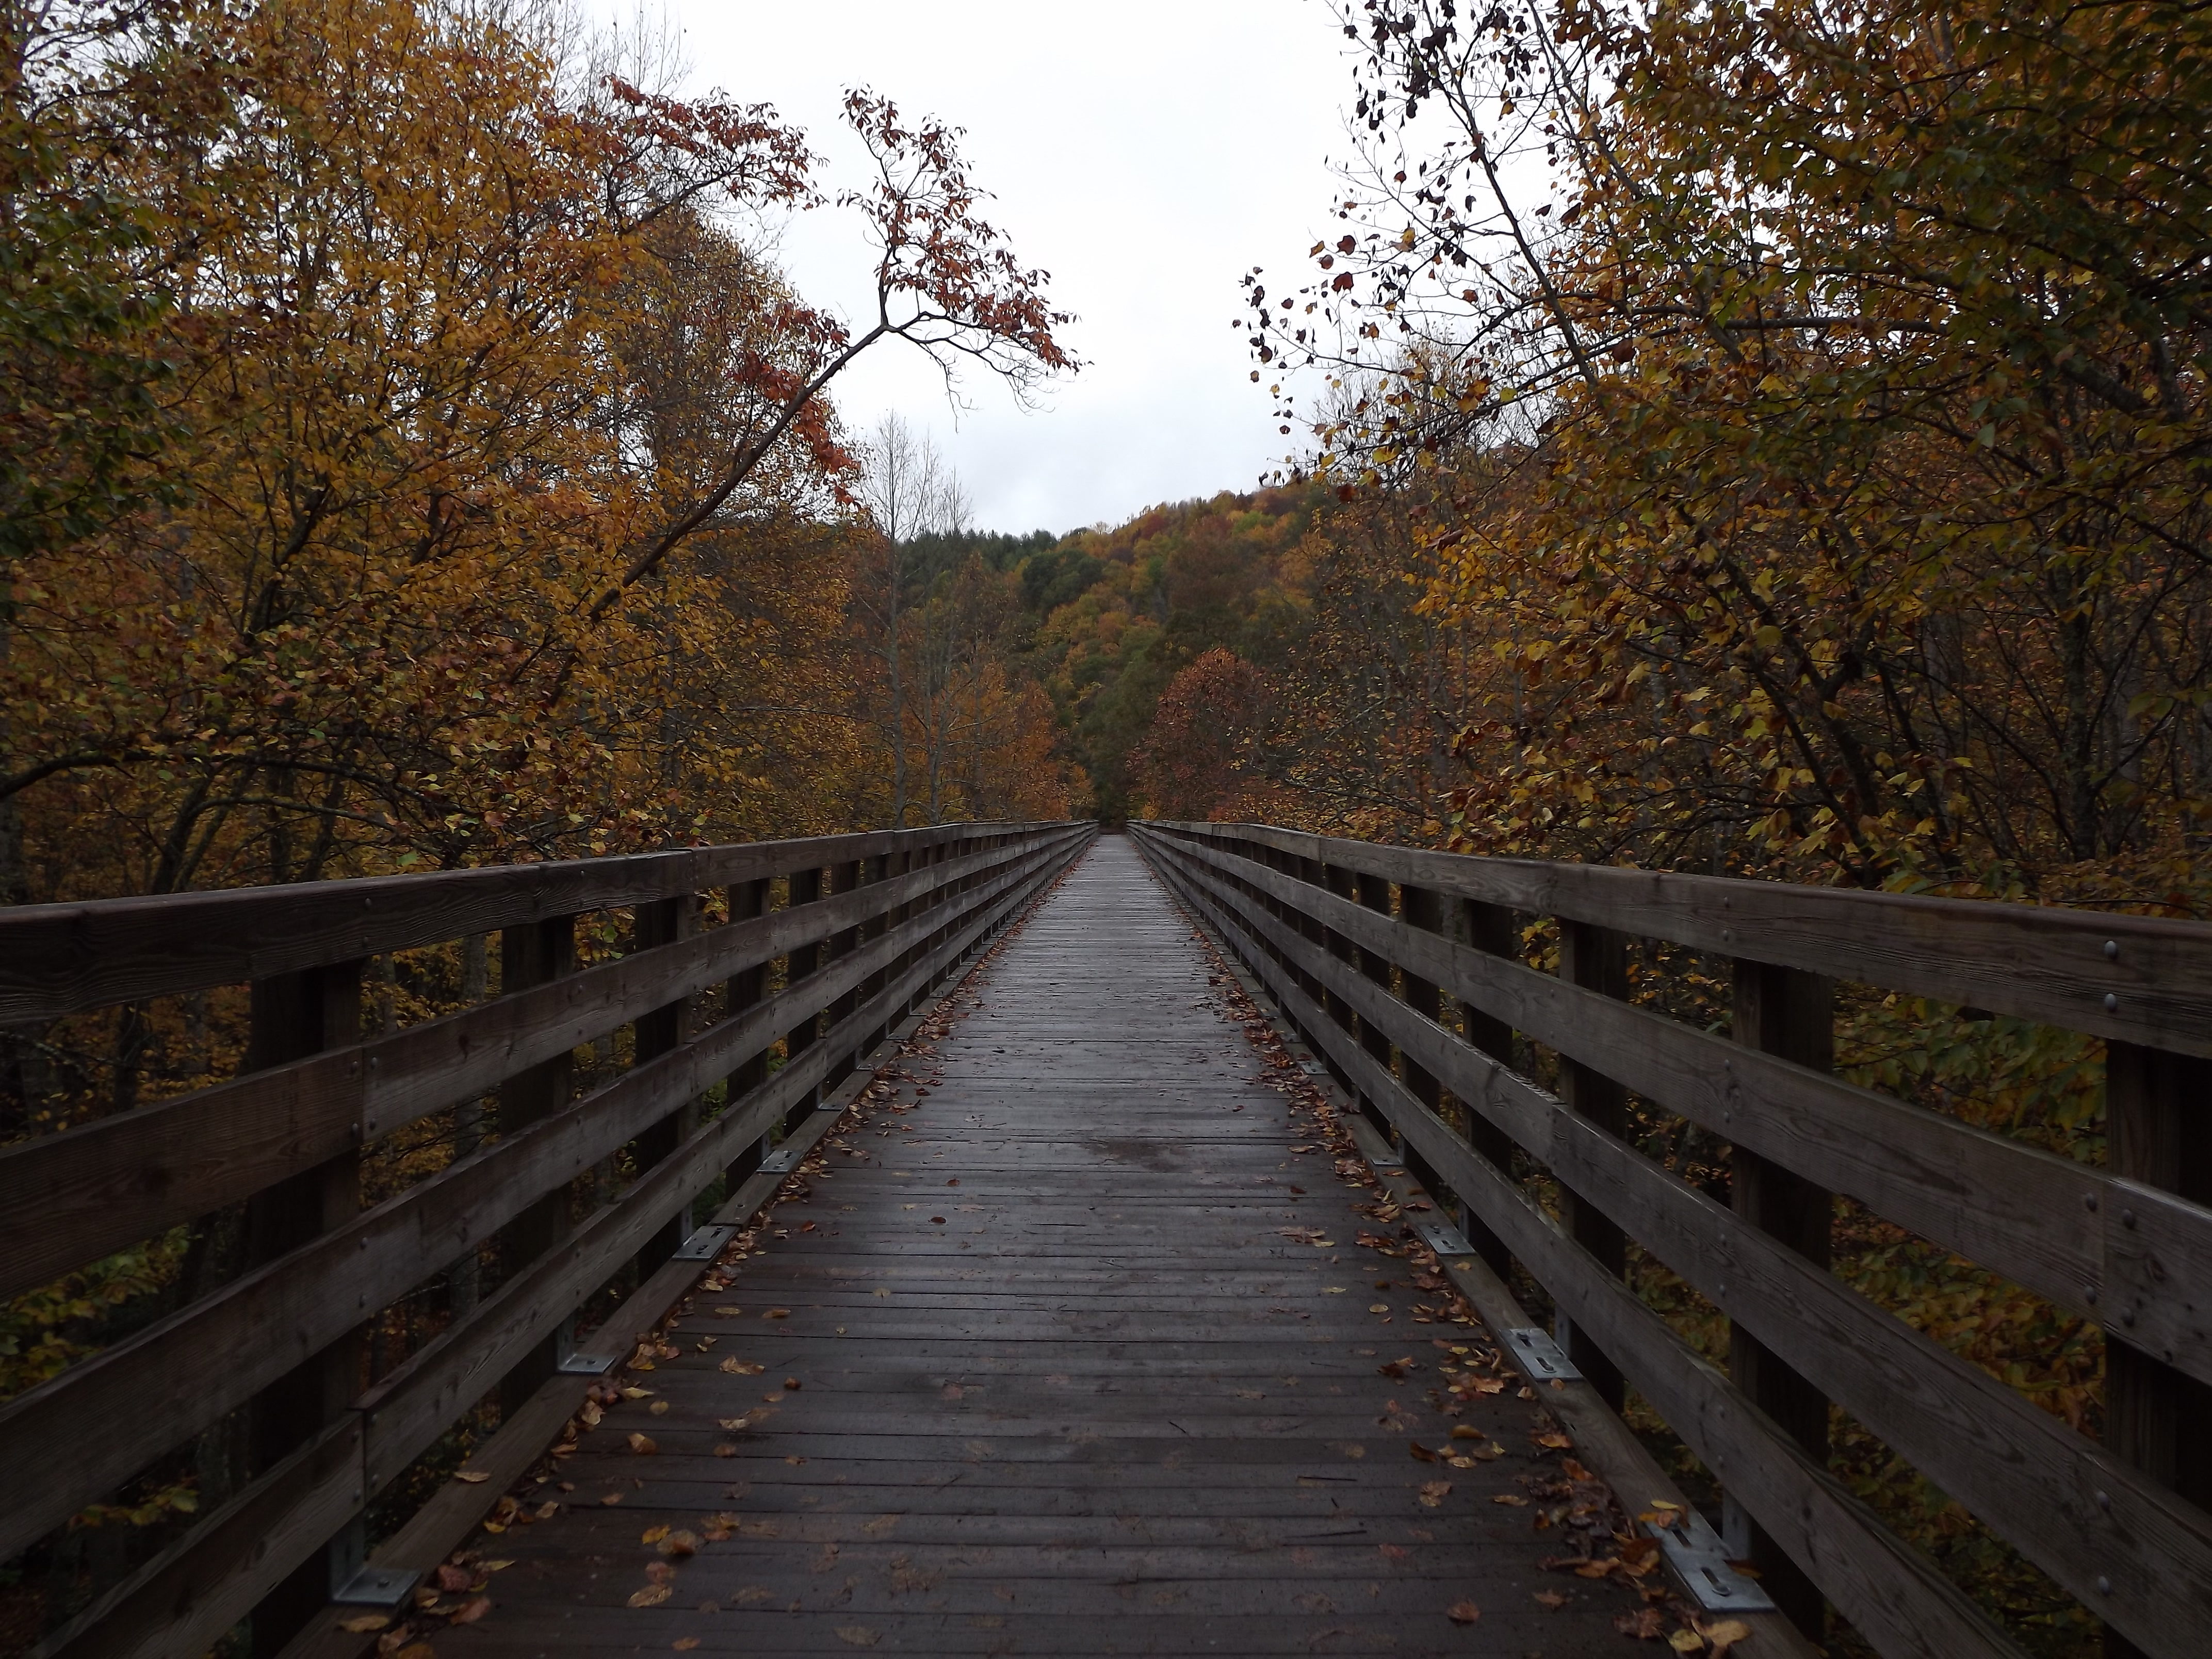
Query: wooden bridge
{"type": "Point", "coordinates": [998, 1238]}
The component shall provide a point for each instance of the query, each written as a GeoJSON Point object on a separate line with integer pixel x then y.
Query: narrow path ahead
{"type": "Point", "coordinates": [1052, 1365]}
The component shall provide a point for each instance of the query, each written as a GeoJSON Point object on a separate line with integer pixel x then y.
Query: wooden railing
{"type": "Point", "coordinates": [734, 1027]}
{"type": "Point", "coordinates": [1405, 971]}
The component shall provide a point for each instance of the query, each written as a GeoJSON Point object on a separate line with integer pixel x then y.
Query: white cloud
{"type": "Point", "coordinates": [1146, 153]}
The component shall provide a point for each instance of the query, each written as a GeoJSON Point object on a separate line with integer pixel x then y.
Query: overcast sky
{"type": "Point", "coordinates": [1145, 152]}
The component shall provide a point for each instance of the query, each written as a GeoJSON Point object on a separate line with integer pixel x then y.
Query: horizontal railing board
{"type": "Point", "coordinates": [82, 1434]}
{"type": "Point", "coordinates": [288, 1504]}
{"type": "Point", "coordinates": [188, 1596]}
{"type": "Point", "coordinates": [70, 1198]}
{"type": "Point", "coordinates": [2042, 962]}
{"type": "Point", "coordinates": [1897, 1600]}
{"type": "Point", "coordinates": [2067, 1232]}
{"type": "Point", "coordinates": [2108, 1534]}
{"type": "Point", "coordinates": [58, 959]}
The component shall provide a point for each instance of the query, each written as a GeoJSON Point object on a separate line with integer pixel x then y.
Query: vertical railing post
{"type": "Point", "coordinates": [1373, 893]}
{"type": "Point", "coordinates": [1338, 881]}
{"type": "Point", "coordinates": [532, 954]}
{"type": "Point", "coordinates": [741, 990]}
{"type": "Point", "coordinates": [1595, 958]}
{"type": "Point", "coordinates": [1488, 928]}
{"type": "Point", "coordinates": [1423, 910]}
{"type": "Point", "coordinates": [2157, 1419]}
{"type": "Point", "coordinates": [800, 961]}
{"type": "Point", "coordinates": [665, 921]}
{"type": "Point", "coordinates": [294, 1015]}
{"type": "Point", "coordinates": [880, 869]}
{"type": "Point", "coordinates": [844, 878]}
{"type": "Point", "coordinates": [1790, 1013]}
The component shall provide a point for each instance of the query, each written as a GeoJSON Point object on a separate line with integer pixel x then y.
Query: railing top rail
{"type": "Point", "coordinates": [2145, 980]}
{"type": "Point", "coordinates": [58, 959]}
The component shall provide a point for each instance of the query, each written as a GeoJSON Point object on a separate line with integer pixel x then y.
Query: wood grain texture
{"type": "Point", "coordinates": [217, 1571]}
{"type": "Point", "coordinates": [1026, 1454]}
{"type": "Point", "coordinates": [2043, 1221]}
{"type": "Point", "coordinates": [76, 1437]}
{"type": "Point", "coordinates": [2106, 1531]}
{"type": "Point", "coordinates": [70, 1197]}
{"type": "Point", "coordinates": [56, 959]}
{"type": "Point", "coordinates": [2039, 962]}
{"type": "Point", "coordinates": [1896, 1599]}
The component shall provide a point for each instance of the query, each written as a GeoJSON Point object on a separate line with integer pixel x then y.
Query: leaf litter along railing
{"type": "Point", "coordinates": [1403, 969]}
{"type": "Point", "coordinates": [870, 925]}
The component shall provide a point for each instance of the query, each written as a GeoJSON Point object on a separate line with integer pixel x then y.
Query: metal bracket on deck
{"type": "Point", "coordinates": [782, 1161]}
{"type": "Point", "coordinates": [1313, 1068]}
{"type": "Point", "coordinates": [585, 1365]}
{"type": "Point", "coordinates": [1699, 1559]}
{"type": "Point", "coordinates": [1538, 1358]}
{"type": "Point", "coordinates": [704, 1245]}
{"type": "Point", "coordinates": [1444, 1238]}
{"type": "Point", "coordinates": [377, 1587]}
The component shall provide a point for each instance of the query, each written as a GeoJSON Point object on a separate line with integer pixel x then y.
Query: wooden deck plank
{"type": "Point", "coordinates": [1104, 1406]}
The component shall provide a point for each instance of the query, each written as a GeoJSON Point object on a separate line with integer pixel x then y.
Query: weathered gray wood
{"type": "Point", "coordinates": [1602, 1440]}
{"type": "Point", "coordinates": [58, 959]}
{"type": "Point", "coordinates": [295, 1015]}
{"type": "Point", "coordinates": [2111, 1537]}
{"type": "Point", "coordinates": [2157, 1419]}
{"type": "Point", "coordinates": [183, 1599]}
{"type": "Point", "coordinates": [2039, 962]}
{"type": "Point", "coordinates": [70, 1198]}
{"type": "Point", "coordinates": [1594, 959]}
{"type": "Point", "coordinates": [79, 1435]}
{"type": "Point", "coordinates": [1896, 1599]}
{"type": "Point", "coordinates": [1789, 1013]}
{"type": "Point", "coordinates": [1056, 1418]}
{"type": "Point", "coordinates": [2040, 1220]}
{"type": "Point", "coordinates": [220, 1568]}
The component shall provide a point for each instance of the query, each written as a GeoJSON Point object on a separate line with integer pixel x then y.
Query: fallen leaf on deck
{"type": "Point", "coordinates": [474, 1477]}
{"type": "Point", "coordinates": [777, 1313]}
{"type": "Point", "coordinates": [652, 1535]}
{"type": "Point", "coordinates": [684, 1643]}
{"type": "Point", "coordinates": [361, 1624]}
{"type": "Point", "coordinates": [651, 1596]}
{"type": "Point", "coordinates": [1685, 1641]}
{"type": "Point", "coordinates": [451, 1579]}
{"type": "Point", "coordinates": [659, 1408]}
{"type": "Point", "coordinates": [1394, 1552]}
{"type": "Point", "coordinates": [1433, 1493]}
{"type": "Point", "coordinates": [471, 1610]}
{"type": "Point", "coordinates": [752, 1597]}
{"type": "Point", "coordinates": [1552, 1599]}
{"type": "Point", "coordinates": [678, 1545]}
{"type": "Point", "coordinates": [1421, 1451]}
{"type": "Point", "coordinates": [1725, 1635]}
{"type": "Point", "coordinates": [1462, 1613]}
{"type": "Point", "coordinates": [726, 1449]}
{"type": "Point", "coordinates": [728, 1312]}
{"type": "Point", "coordinates": [1513, 1498]}
{"type": "Point", "coordinates": [1644, 1623]}
{"type": "Point", "coordinates": [859, 1636]}
{"type": "Point", "coordinates": [1554, 1439]}
{"type": "Point", "coordinates": [643, 1445]}
{"type": "Point", "coordinates": [1467, 1431]}
{"type": "Point", "coordinates": [612, 1498]}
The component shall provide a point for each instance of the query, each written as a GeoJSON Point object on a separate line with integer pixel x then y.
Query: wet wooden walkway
{"type": "Point", "coordinates": [1072, 1350]}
